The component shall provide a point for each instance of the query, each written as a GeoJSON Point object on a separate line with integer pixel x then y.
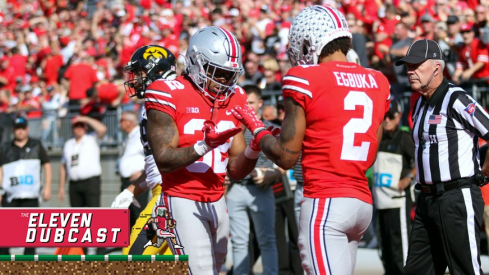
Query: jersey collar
{"type": "Point", "coordinates": [25, 145]}
{"type": "Point", "coordinates": [439, 93]}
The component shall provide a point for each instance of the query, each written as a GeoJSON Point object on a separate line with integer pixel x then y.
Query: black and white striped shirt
{"type": "Point", "coordinates": [446, 130]}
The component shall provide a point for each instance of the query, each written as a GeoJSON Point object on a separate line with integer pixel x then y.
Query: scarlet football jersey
{"type": "Point", "coordinates": [344, 105]}
{"type": "Point", "coordinates": [203, 180]}
{"type": "Point", "coordinates": [469, 55]}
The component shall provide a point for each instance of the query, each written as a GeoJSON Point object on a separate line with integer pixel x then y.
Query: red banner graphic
{"type": "Point", "coordinates": [58, 227]}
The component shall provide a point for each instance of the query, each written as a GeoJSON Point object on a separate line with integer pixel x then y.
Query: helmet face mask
{"type": "Point", "coordinates": [304, 55]}
{"type": "Point", "coordinates": [137, 83]}
{"type": "Point", "coordinates": [148, 64]}
{"type": "Point", "coordinates": [221, 78]}
{"type": "Point", "coordinates": [214, 62]}
{"type": "Point", "coordinates": [313, 28]}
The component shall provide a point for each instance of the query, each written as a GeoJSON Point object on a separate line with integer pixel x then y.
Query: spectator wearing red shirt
{"type": "Point", "coordinates": [386, 28]}
{"type": "Point", "coordinates": [48, 7]}
{"type": "Point", "coordinates": [128, 47]}
{"type": "Point", "coordinates": [473, 57]}
{"type": "Point", "coordinates": [107, 92]}
{"type": "Point", "coordinates": [52, 64]}
{"type": "Point", "coordinates": [170, 40]}
{"type": "Point", "coordinates": [442, 10]}
{"type": "Point", "coordinates": [110, 94]}
{"type": "Point", "coordinates": [28, 104]}
{"type": "Point", "coordinates": [5, 101]}
{"type": "Point", "coordinates": [7, 75]}
{"type": "Point", "coordinates": [81, 77]}
{"type": "Point", "coordinates": [18, 61]}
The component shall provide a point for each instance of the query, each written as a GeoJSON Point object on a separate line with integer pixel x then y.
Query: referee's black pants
{"type": "Point", "coordinates": [446, 232]}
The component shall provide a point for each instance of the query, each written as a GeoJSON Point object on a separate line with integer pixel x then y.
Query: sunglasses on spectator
{"type": "Point", "coordinates": [390, 116]}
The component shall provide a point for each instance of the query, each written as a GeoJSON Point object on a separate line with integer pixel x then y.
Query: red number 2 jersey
{"type": "Point", "coordinates": [203, 180]}
{"type": "Point", "coordinates": [344, 105]}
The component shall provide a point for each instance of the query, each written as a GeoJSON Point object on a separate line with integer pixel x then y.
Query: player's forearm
{"type": "Point", "coordinates": [169, 159]}
{"type": "Point", "coordinates": [278, 153]}
{"type": "Point", "coordinates": [240, 166]}
{"type": "Point", "coordinates": [163, 139]}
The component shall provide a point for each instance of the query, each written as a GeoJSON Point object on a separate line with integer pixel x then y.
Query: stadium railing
{"type": "Point", "coordinates": [55, 131]}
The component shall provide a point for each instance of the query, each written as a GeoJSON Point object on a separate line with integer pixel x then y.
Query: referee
{"type": "Point", "coordinates": [447, 124]}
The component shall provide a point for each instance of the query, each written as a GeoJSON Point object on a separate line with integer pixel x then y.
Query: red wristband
{"type": "Point", "coordinates": [261, 134]}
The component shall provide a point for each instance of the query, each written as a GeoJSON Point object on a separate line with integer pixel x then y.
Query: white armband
{"type": "Point", "coordinates": [202, 148]}
{"type": "Point", "coordinates": [250, 153]}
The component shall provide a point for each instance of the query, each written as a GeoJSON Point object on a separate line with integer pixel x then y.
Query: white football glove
{"type": "Point", "coordinates": [124, 200]}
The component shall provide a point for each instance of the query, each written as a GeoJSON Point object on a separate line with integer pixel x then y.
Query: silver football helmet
{"type": "Point", "coordinates": [214, 54]}
{"type": "Point", "coordinates": [312, 29]}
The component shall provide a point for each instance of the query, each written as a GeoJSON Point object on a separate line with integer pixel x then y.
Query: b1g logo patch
{"type": "Point", "coordinates": [470, 109]}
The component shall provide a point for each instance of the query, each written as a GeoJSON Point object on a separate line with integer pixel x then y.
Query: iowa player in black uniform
{"type": "Point", "coordinates": [148, 63]}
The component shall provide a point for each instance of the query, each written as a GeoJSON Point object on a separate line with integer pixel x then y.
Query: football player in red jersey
{"type": "Point", "coordinates": [195, 140]}
{"type": "Point", "coordinates": [333, 112]}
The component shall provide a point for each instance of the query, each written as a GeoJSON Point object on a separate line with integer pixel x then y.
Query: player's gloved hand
{"type": "Point", "coordinates": [213, 138]}
{"type": "Point", "coordinates": [253, 149]}
{"type": "Point", "coordinates": [124, 200]}
{"type": "Point", "coordinates": [255, 146]}
{"type": "Point", "coordinates": [246, 115]}
{"type": "Point", "coordinates": [274, 131]}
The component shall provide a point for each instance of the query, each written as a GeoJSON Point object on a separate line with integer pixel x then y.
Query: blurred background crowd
{"type": "Point", "coordinates": [59, 58]}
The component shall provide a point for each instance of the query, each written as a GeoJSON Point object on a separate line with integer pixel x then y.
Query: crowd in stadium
{"type": "Point", "coordinates": [68, 56]}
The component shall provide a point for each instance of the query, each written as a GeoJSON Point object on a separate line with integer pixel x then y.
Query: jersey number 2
{"type": "Point", "coordinates": [356, 126]}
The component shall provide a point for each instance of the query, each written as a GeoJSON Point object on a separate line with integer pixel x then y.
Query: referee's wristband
{"type": "Point", "coordinates": [250, 153]}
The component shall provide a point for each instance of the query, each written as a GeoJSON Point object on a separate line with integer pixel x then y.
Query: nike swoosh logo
{"type": "Point", "coordinates": [228, 113]}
